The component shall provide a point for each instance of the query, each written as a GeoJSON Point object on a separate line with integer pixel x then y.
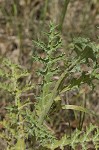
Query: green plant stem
{"type": "Point", "coordinates": [82, 114]}
{"type": "Point", "coordinates": [44, 12]}
{"type": "Point", "coordinates": [63, 14]}
{"type": "Point", "coordinates": [20, 141]}
{"type": "Point", "coordinates": [70, 130]}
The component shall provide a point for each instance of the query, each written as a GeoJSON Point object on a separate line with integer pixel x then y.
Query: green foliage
{"type": "Point", "coordinates": [49, 70]}
{"type": "Point", "coordinates": [10, 75]}
{"type": "Point", "coordinates": [86, 51]}
{"type": "Point", "coordinates": [40, 132]}
{"type": "Point", "coordinates": [25, 124]}
{"type": "Point", "coordinates": [79, 138]}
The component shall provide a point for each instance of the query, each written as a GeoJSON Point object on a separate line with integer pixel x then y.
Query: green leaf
{"type": "Point", "coordinates": [77, 108]}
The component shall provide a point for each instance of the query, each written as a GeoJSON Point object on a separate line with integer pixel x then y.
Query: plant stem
{"type": "Point", "coordinates": [44, 12]}
{"type": "Point", "coordinates": [63, 14]}
{"type": "Point", "coordinates": [82, 115]}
